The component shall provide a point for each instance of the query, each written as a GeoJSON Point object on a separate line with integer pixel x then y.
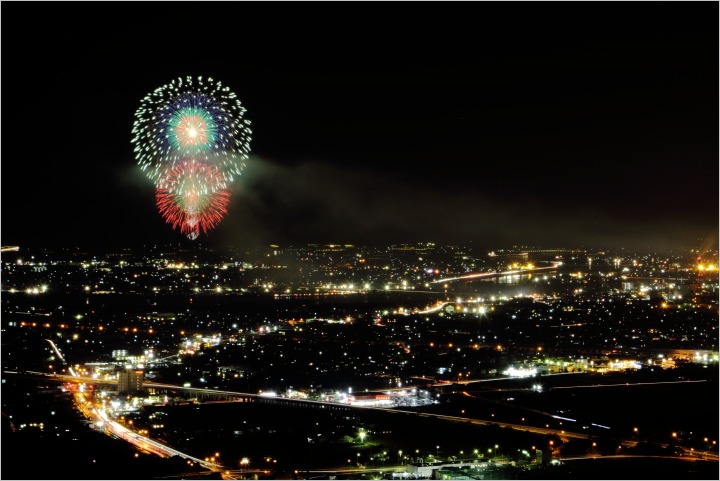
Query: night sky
{"type": "Point", "coordinates": [553, 124]}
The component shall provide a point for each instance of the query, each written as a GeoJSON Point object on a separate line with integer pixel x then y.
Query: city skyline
{"type": "Point", "coordinates": [600, 132]}
{"type": "Point", "coordinates": [327, 361]}
{"type": "Point", "coordinates": [305, 240]}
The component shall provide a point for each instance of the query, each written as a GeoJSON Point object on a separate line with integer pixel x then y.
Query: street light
{"type": "Point", "coordinates": [362, 437]}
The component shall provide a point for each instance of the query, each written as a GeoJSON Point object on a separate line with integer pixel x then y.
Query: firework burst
{"type": "Point", "coordinates": [186, 203]}
{"type": "Point", "coordinates": [191, 175]}
{"type": "Point", "coordinates": [191, 140]}
{"type": "Point", "coordinates": [191, 117]}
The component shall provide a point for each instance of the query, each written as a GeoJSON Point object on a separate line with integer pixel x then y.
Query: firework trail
{"type": "Point", "coordinates": [191, 140]}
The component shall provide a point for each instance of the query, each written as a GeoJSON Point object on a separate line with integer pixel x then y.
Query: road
{"type": "Point", "coordinates": [620, 456]}
{"type": "Point", "coordinates": [149, 444]}
{"type": "Point", "coordinates": [101, 419]}
{"type": "Point", "coordinates": [562, 434]}
{"type": "Point", "coordinates": [493, 274]}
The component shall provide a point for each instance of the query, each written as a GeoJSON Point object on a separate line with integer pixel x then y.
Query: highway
{"type": "Point", "coordinates": [685, 457]}
{"type": "Point", "coordinates": [150, 445]}
{"type": "Point", "coordinates": [101, 419]}
{"type": "Point", "coordinates": [562, 434]}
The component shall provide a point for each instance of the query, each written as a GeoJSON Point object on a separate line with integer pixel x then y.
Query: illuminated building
{"type": "Point", "coordinates": [130, 380]}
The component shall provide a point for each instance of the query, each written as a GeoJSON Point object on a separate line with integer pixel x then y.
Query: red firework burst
{"type": "Point", "coordinates": [188, 197]}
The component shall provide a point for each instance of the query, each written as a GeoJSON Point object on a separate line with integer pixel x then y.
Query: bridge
{"type": "Point", "coordinates": [234, 396]}
{"type": "Point", "coordinates": [481, 275]}
{"type": "Point", "coordinates": [101, 418]}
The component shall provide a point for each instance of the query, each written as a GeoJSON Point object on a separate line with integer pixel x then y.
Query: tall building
{"type": "Point", "coordinates": [130, 380]}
